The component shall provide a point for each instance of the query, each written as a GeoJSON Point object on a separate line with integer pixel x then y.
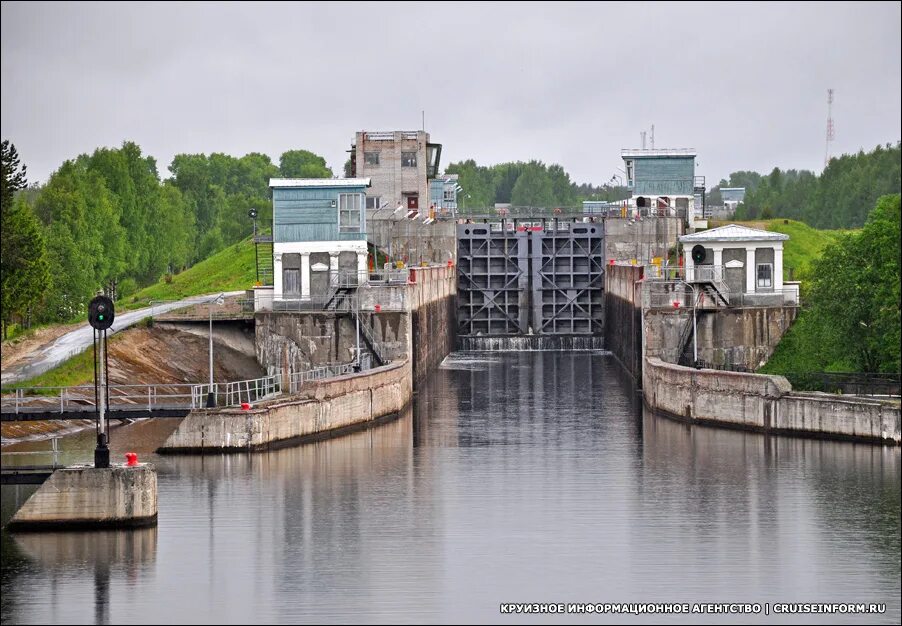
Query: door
{"type": "Point", "coordinates": [292, 282]}
{"type": "Point", "coordinates": [413, 203]}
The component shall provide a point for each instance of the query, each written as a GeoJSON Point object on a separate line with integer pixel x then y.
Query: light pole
{"type": "Point", "coordinates": [211, 395]}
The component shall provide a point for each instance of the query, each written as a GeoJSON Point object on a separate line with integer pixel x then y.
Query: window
{"type": "Point", "coordinates": [373, 202]}
{"type": "Point", "coordinates": [629, 174]}
{"type": "Point", "coordinates": [349, 205]}
{"type": "Point", "coordinates": [371, 158]}
{"type": "Point", "coordinates": [765, 275]}
{"type": "Point", "coordinates": [408, 159]}
{"type": "Point", "coordinates": [448, 195]}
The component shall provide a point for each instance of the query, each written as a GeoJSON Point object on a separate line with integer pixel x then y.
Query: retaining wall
{"type": "Point", "coordinates": [623, 316]}
{"type": "Point", "coordinates": [432, 302]}
{"type": "Point", "coordinates": [323, 408]}
{"type": "Point", "coordinates": [765, 403]}
{"type": "Point", "coordinates": [743, 337]}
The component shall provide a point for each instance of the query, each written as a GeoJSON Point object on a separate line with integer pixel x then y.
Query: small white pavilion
{"type": "Point", "coordinates": [749, 261]}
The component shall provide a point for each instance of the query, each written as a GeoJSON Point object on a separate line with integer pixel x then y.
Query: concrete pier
{"type": "Point", "coordinates": [80, 498]}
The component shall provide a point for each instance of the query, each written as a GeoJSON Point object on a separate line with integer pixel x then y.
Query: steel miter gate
{"type": "Point", "coordinates": [536, 280]}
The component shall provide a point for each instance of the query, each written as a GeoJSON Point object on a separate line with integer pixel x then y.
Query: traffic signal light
{"type": "Point", "coordinates": [101, 313]}
{"type": "Point", "coordinates": [252, 214]}
{"type": "Point", "coordinates": [698, 254]}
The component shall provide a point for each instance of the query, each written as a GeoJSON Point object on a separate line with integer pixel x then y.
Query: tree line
{"type": "Point", "coordinates": [841, 197]}
{"type": "Point", "coordinates": [524, 184]}
{"type": "Point", "coordinates": [108, 221]}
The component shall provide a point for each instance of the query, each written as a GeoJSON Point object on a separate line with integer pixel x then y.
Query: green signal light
{"type": "Point", "coordinates": [100, 317]}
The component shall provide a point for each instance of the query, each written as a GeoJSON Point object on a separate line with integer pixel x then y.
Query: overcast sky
{"type": "Point", "coordinates": [744, 84]}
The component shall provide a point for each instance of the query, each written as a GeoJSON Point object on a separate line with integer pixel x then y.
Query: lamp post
{"type": "Point", "coordinates": [211, 395]}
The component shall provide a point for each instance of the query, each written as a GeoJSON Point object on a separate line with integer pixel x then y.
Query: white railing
{"type": "Point", "coordinates": [297, 379]}
{"type": "Point", "coordinates": [163, 396]}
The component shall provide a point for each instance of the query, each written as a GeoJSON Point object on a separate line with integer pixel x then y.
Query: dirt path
{"type": "Point", "coordinates": [161, 354]}
{"type": "Point", "coordinates": [43, 356]}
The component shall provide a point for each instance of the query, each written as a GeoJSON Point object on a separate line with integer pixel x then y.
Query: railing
{"type": "Point", "coordinates": [54, 452]}
{"type": "Point", "coordinates": [657, 152]}
{"type": "Point", "coordinates": [159, 396]}
{"type": "Point", "coordinates": [387, 296]}
{"type": "Point", "coordinates": [848, 383]}
{"type": "Point", "coordinates": [297, 379]}
{"type": "Point", "coordinates": [852, 383]}
{"type": "Point", "coordinates": [81, 398]}
{"type": "Point", "coordinates": [233, 307]}
{"type": "Point", "coordinates": [787, 296]}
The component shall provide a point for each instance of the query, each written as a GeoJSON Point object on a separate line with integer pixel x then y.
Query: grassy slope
{"type": "Point", "coordinates": [79, 370]}
{"type": "Point", "coordinates": [231, 269]}
{"type": "Point", "coordinates": [804, 246]}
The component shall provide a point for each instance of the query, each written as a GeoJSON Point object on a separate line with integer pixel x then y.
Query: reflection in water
{"type": "Point", "coordinates": [517, 477]}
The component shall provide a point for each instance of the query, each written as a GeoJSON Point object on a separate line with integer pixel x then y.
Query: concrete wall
{"type": "Point", "coordinates": [413, 241]}
{"type": "Point", "coordinates": [322, 408]}
{"type": "Point", "coordinates": [737, 336]}
{"type": "Point", "coordinates": [433, 317]}
{"type": "Point", "coordinates": [293, 342]}
{"type": "Point", "coordinates": [86, 497]}
{"type": "Point", "coordinates": [652, 237]}
{"type": "Point", "coordinates": [764, 403]}
{"type": "Point", "coordinates": [623, 316]}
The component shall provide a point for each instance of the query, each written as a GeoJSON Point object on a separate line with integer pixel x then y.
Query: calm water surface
{"type": "Point", "coordinates": [522, 477]}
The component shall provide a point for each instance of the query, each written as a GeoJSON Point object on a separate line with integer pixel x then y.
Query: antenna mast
{"type": "Point", "coordinates": [831, 131]}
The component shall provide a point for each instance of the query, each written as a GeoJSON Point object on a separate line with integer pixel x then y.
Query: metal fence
{"type": "Point", "coordinates": [852, 383]}
{"type": "Point", "coordinates": [81, 398]}
{"type": "Point", "coordinates": [847, 383]}
{"type": "Point", "coordinates": [155, 397]}
{"type": "Point", "coordinates": [298, 379]}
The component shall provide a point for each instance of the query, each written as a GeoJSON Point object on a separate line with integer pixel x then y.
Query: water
{"type": "Point", "coordinates": [518, 477]}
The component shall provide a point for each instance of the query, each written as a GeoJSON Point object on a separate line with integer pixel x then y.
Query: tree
{"type": "Point", "coordinates": [533, 187]}
{"type": "Point", "coordinates": [13, 172]}
{"type": "Point", "coordinates": [855, 291]}
{"type": "Point", "coordinates": [23, 258]}
{"type": "Point", "coordinates": [24, 271]}
{"type": "Point", "coordinates": [303, 164]}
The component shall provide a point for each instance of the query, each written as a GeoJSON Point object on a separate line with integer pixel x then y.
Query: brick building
{"type": "Point", "coordinates": [400, 165]}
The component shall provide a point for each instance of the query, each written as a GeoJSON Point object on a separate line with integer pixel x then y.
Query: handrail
{"type": "Point", "coordinates": [151, 397]}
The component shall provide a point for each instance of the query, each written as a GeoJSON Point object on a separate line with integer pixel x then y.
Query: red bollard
{"type": "Point", "coordinates": [131, 459]}
{"type": "Point", "coordinates": [245, 406]}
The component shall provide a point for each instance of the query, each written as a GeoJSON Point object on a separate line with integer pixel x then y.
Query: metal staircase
{"type": "Point", "coordinates": [368, 338]}
{"type": "Point", "coordinates": [710, 279]}
{"type": "Point", "coordinates": [263, 256]}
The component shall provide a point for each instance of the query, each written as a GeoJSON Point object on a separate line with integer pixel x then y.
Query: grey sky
{"type": "Point", "coordinates": [744, 84]}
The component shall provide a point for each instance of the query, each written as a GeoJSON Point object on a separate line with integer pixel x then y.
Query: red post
{"type": "Point", "coordinates": [131, 459]}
